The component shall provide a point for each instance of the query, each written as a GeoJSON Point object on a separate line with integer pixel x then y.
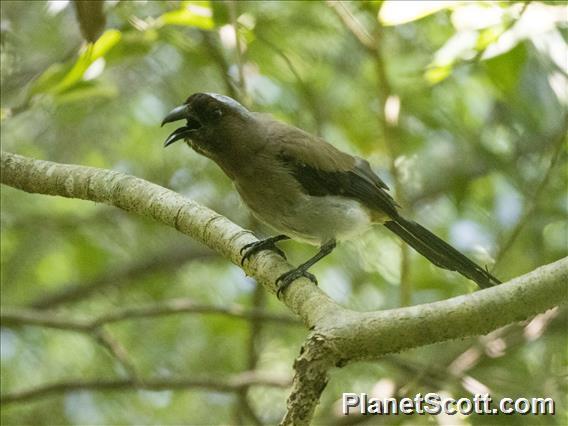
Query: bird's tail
{"type": "Point", "coordinates": [439, 252]}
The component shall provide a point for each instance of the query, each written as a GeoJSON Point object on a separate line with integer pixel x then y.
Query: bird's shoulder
{"type": "Point", "coordinates": [298, 146]}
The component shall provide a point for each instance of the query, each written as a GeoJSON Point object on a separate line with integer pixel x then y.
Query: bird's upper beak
{"type": "Point", "coordinates": [178, 113]}
{"type": "Point", "coordinates": [181, 113]}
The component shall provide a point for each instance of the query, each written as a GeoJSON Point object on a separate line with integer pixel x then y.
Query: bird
{"type": "Point", "coordinates": [302, 186]}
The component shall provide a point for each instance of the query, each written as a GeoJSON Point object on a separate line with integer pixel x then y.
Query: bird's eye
{"type": "Point", "coordinates": [217, 113]}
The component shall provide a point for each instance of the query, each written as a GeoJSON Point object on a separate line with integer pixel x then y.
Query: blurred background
{"type": "Point", "coordinates": [459, 106]}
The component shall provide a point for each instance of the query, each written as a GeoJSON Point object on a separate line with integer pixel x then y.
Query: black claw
{"type": "Point", "coordinates": [258, 246]}
{"type": "Point", "coordinates": [287, 278]}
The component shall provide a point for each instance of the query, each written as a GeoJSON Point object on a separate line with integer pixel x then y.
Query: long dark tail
{"type": "Point", "coordinates": [439, 252]}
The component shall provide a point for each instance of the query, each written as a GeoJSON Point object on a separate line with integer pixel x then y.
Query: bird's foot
{"type": "Point", "coordinates": [284, 280]}
{"type": "Point", "coordinates": [258, 246]}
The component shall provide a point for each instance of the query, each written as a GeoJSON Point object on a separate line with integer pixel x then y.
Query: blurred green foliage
{"type": "Point", "coordinates": [463, 113]}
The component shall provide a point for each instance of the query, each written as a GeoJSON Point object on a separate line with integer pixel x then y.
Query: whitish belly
{"type": "Point", "coordinates": [316, 220]}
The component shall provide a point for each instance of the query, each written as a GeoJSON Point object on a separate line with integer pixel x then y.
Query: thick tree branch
{"type": "Point", "coordinates": [390, 331]}
{"type": "Point", "coordinates": [149, 200]}
{"type": "Point", "coordinates": [350, 336]}
{"type": "Point", "coordinates": [231, 384]}
{"type": "Point", "coordinates": [339, 335]}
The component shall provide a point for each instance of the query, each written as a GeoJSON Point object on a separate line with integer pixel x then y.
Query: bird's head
{"type": "Point", "coordinates": [208, 116]}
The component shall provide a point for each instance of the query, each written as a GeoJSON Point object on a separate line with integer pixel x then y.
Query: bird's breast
{"type": "Point", "coordinates": [306, 218]}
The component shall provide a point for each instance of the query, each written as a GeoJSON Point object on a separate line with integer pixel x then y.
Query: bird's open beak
{"type": "Point", "coordinates": [180, 113]}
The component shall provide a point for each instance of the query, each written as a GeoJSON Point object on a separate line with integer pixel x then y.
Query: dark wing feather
{"type": "Point", "coordinates": [351, 184]}
{"type": "Point", "coordinates": [321, 169]}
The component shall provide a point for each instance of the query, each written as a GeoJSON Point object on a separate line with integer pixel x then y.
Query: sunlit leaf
{"type": "Point", "coordinates": [400, 12]}
{"type": "Point", "coordinates": [60, 77]}
{"type": "Point", "coordinates": [538, 19]}
{"type": "Point", "coordinates": [190, 15]}
{"type": "Point", "coordinates": [437, 74]}
{"type": "Point", "coordinates": [106, 42]}
{"type": "Point", "coordinates": [50, 77]}
{"type": "Point", "coordinates": [460, 46]}
{"type": "Point", "coordinates": [487, 37]}
{"type": "Point", "coordinates": [92, 52]}
{"type": "Point", "coordinates": [76, 72]}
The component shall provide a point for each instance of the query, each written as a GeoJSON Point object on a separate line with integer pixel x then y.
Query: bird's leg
{"type": "Point", "coordinates": [284, 280]}
{"type": "Point", "coordinates": [266, 244]}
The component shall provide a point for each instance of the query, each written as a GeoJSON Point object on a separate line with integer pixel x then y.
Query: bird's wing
{"type": "Point", "coordinates": [321, 169]}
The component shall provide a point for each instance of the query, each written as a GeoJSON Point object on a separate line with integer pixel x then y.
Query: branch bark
{"type": "Point", "coordinates": [149, 200]}
{"type": "Point", "coordinates": [349, 336]}
{"type": "Point", "coordinates": [339, 335]}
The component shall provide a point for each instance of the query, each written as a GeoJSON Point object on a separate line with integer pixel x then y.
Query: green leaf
{"type": "Point", "coordinates": [93, 52]}
{"type": "Point", "coordinates": [436, 74]}
{"type": "Point", "coordinates": [488, 36]}
{"type": "Point", "coordinates": [190, 15]}
{"type": "Point", "coordinates": [105, 43]}
{"type": "Point", "coordinates": [49, 78]}
{"type": "Point", "coordinates": [61, 77]}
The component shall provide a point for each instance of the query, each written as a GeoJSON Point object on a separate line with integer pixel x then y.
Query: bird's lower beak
{"type": "Point", "coordinates": [180, 113]}
{"type": "Point", "coordinates": [178, 134]}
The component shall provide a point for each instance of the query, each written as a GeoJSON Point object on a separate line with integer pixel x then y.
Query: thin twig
{"type": "Point", "coordinates": [95, 330]}
{"type": "Point", "coordinates": [213, 49]}
{"type": "Point", "coordinates": [254, 343]}
{"type": "Point", "coordinates": [115, 348]}
{"type": "Point", "coordinates": [232, 6]}
{"type": "Point", "coordinates": [532, 204]}
{"type": "Point", "coordinates": [306, 88]}
{"type": "Point", "coordinates": [353, 25]}
{"type": "Point", "coordinates": [172, 257]}
{"type": "Point", "coordinates": [232, 384]}
{"type": "Point", "coordinates": [187, 306]}
{"type": "Point", "coordinates": [15, 316]}
{"type": "Point", "coordinates": [509, 337]}
{"type": "Point", "coordinates": [91, 329]}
